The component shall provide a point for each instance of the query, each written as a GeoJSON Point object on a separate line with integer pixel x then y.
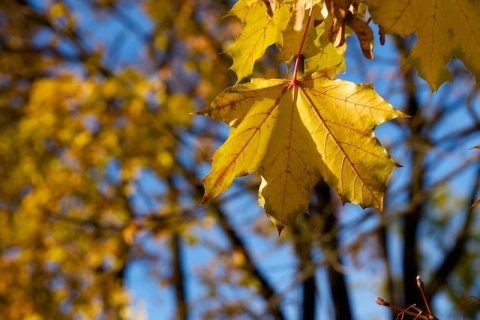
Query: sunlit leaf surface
{"type": "Point", "coordinates": [292, 134]}
{"type": "Point", "coordinates": [261, 30]}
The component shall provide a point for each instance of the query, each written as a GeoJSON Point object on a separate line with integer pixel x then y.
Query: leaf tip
{"type": "Point", "coordinates": [398, 165]}
{"type": "Point", "coordinates": [205, 199]}
{"type": "Point", "coordinates": [207, 195]}
{"type": "Point", "coordinates": [404, 115]}
{"type": "Point", "coordinates": [380, 205]}
{"type": "Point", "coordinates": [280, 226]}
{"type": "Point", "coordinates": [368, 53]}
{"type": "Point", "coordinates": [280, 229]}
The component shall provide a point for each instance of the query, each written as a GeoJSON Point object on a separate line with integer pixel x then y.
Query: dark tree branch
{"type": "Point", "coordinates": [338, 287]}
{"type": "Point", "coordinates": [382, 238]}
{"type": "Point", "coordinates": [70, 34]}
{"type": "Point", "coordinates": [303, 246]}
{"type": "Point", "coordinates": [265, 289]}
{"type": "Point", "coordinates": [179, 277]}
{"type": "Point", "coordinates": [177, 261]}
{"type": "Point", "coordinates": [453, 257]}
{"type": "Point", "coordinates": [412, 218]}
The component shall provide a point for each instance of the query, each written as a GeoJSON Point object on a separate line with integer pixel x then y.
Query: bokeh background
{"type": "Point", "coordinates": [101, 164]}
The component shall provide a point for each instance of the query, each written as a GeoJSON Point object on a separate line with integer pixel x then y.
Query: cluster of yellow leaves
{"type": "Point", "coordinates": [72, 143]}
{"type": "Point", "coordinates": [293, 132]}
{"type": "Point", "coordinates": [262, 30]}
{"type": "Point", "coordinates": [69, 132]}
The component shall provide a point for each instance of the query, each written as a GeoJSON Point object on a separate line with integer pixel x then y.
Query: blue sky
{"type": "Point", "coordinates": [282, 263]}
{"type": "Point", "coordinates": [279, 264]}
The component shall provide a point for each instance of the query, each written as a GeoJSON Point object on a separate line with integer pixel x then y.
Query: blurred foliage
{"type": "Point", "coordinates": [75, 135]}
{"type": "Point", "coordinates": [100, 161]}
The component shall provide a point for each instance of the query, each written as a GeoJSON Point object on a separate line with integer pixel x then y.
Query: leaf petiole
{"type": "Point", "coordinates": [297, 61]}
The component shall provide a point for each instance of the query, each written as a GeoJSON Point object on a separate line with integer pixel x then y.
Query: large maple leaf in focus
{"type": "Point", "coordinates": [445, 29]}
{"type": "Point", "coordinates": [294, 132]}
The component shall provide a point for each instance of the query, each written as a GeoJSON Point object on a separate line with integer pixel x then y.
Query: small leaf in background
{"type": "Point", "coordinates": [292, 38]}
{"type": "Point", "coordinates": [319, 54]}
{"type": "Point", "coordinates": [260, 32]}
{"type": "Point", "coordinates": [299, 16]}
{"type": "Point", "coordinates": [445, 29]}
{"type": "Point", "coordinates": [364, 34]}
{"type": "Point", "coordinates": [345, 13]}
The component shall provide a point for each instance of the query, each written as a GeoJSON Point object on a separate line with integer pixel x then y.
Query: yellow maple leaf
{"type": "Point", "coordinates": [445, 29]}
{"type": "Point", "coordinates": [320, 53]}
{"type": "Point", "coordinates": [294, 132]}
{"type": "Point", "coordinates": [261, 30]}
{"type": "Point", "coordinates": [293, 38]}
